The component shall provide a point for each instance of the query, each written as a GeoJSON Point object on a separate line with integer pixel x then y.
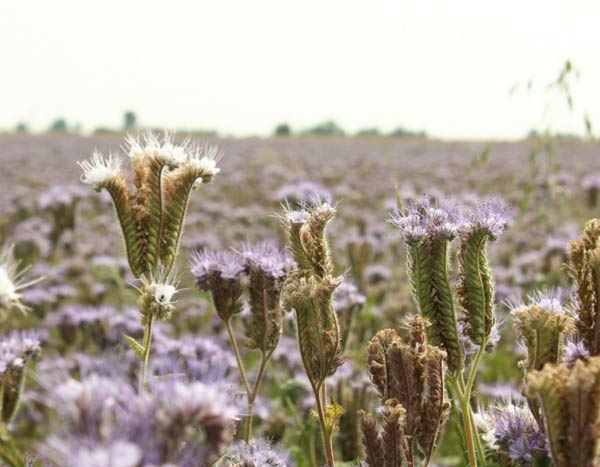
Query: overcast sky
{"type": "Point", "coordinates": [241, 66]}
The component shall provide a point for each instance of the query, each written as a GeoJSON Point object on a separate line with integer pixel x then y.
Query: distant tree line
{"type": "Point", "coordinates": [331, 128]}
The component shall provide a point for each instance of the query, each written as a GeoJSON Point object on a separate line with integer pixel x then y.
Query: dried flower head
{"type": "Point", "coordinates": [584, 269]}
{"type": "Point", "coordinates": [151, 204]}
{"type": "Point", "coordinates": [570, 400]}
{"type": "Point", "coordinates": [412, 374]}
{"type": "Point", "coordinates": [12, 281]}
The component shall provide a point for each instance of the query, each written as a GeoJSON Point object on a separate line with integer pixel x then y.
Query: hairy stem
{"type": "Point", "coordinates": [321, 399]}
{"type": "Point", "coordinates": [146, 356]}
{"type": "Point", "coordinates": [253, 395]}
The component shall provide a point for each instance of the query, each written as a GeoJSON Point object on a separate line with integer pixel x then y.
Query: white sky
{"type": "Point", "coordinates": [241, 66]}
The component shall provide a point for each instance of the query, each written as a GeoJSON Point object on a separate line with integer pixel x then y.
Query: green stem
{"type": "Point", "coordinates": [254, 394]}
{"type": "Point", "coordinates": [145, 357]}
{"type": "Point", "coordinates": [467, 425]}
{"type": "Point", "coordinates": [321, 398]}
{"type": "Point", "coordinates": [238, 357]}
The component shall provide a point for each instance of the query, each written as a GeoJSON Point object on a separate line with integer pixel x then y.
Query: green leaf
{"type": "Point", "coordinates": [137, 348]}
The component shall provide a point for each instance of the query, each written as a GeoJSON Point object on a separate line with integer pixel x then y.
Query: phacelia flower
{"type": "Point", "coordinates": [491, 216]}
{"type": "Point", "coordinates": [258, 453]}
{"type": "Point", "coordinates": [512, 430]}
{"type": "Point", "coordinates": [99, 170]}
{"type": "Point", "coordinates": [12, 281]}
{"type": "Point", "coordinates": [423, 218]}
{"type": "Point", "coordinates": [574, 350]}
{"type": "Point", "coordinates": [219, 272]}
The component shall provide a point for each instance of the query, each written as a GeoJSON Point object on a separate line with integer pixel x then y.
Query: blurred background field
{"type": "Point", "coordinates": [67, 232]}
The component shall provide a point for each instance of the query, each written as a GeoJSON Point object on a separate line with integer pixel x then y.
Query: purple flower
{"type": "Point", "coordinates": [512, 430]}
{"type": "Point", "coordinates": [207, 265]}
{"type": "Point", "coordinates": [267, 259]}
{"type": "Point", "coordinates": [258, 453]}
{"type": "Point", "coordinates": [491, 216]}
{"type": "Point", "coordinates": [17, 348]}
{"type": "Point", "coordinates": [573, 351]}
{"type": "Point", "coordinates": [424, 219]}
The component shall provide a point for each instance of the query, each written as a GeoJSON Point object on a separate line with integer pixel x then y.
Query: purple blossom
{"type": "Point", "coordinates": [491, 216]}
{"type": "Point", "coordinates": [347, 296]}
{"type": "Point", "coordinates": [512, 429]}
{"type": "Point", "coordinates": [301, 191]}
{"type": "Point", "coordinates": [206, 265]}
{"type": "Point", "coordinates": [268, 259]}
{"type": "Point", "coordinates": [258, 453]}
{"type": "Point", "coordinates": [17, 348]}
{"type": "Point", "coordinates": [424, 219]}
{"type": "Point", "coordinates": [573, 351]}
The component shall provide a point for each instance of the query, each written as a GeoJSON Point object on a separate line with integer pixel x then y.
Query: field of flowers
{"type": "Point", "coordinates": [325, 301]}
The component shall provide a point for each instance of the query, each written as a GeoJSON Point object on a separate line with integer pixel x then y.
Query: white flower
{"type": "Point", "coordinates": [205, 159]}
{"type": "Point", "coordinates": [11, 281]}
{"type": "Point", "coordinates": [99, 170]}
{"type": "Point", "coordinates": [163, 293]}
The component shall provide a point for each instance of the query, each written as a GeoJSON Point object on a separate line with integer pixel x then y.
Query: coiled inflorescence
{"type": "Point", "coordinates": [475, 291]}
{"type": "Point", "coordinates": [11, 281]}
{"type": "Point", "coordinates": [151, 205]}
{"type": "Point", "coordinates": [409, 378]}
{"type": "Point", "coordinates": [428, 230]}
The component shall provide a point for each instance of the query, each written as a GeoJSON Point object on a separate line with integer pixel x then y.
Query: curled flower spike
{"type": "Point", "coordinates": [308, 290]}
{"type": "Point", "coordinates": [100, 170]}
{"type": "Point", "coordinates": [427, 230]}
{"type": "Point", "coordinates": [12, 281]}
{"type": "Point", "coordinates": [219, 272]}
{"type": "Point", "coordinates": [475, 290]}
{"type": "Point", "coordinates": [151, 204]}
{"type": "Point", "coordinates": [267, 267]}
